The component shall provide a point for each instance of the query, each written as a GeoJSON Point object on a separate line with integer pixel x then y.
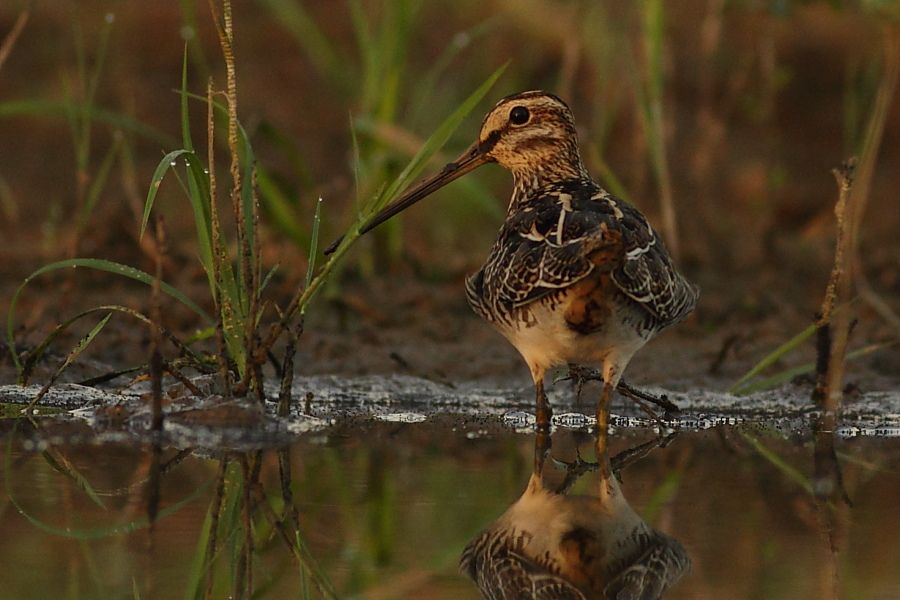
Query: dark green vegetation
{"type": "Point", "coordinates": [720, 119]}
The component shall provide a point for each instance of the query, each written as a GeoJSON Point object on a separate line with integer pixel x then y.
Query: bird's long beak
{"type": "Point", "coordinates": [475, 156]}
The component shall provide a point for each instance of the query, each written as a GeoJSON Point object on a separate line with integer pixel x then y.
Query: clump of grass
{"type": "Point", "coordinates": [241, 512]}
{"type": "Point", "coordinates": [234, 277]}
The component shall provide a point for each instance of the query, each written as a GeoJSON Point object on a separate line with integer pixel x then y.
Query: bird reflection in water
{"type": "Point", "coordinates": [549, 544]}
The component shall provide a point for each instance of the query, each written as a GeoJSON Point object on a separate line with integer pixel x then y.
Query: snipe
{"type": "Point", "coordinates": [553, 544]}
{"type": "Point", "coordinates": [576, 276]}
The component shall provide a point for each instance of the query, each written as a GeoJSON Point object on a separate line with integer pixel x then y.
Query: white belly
{"type": "Point", "coordinates": [545, 340]}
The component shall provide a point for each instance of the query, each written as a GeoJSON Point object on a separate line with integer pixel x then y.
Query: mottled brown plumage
{"type": "Point", "coordinates": [575, 275]}
{"type": "Point", "coordinates": [552, 545]}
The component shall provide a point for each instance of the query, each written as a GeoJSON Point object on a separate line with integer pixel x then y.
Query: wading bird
{"type": "Point", "coordinates": [551, 545]}
{"type": "Point", "coordinates": [576, 276]}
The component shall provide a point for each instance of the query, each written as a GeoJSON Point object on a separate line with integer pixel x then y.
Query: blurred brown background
{"type": "Point", "coordinates": [751, 102]}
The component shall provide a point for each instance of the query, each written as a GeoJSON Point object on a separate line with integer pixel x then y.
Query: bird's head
{"type": "Point", "coordinates": [532, 134]}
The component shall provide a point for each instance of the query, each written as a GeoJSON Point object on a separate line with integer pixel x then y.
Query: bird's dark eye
{"type": "Point", "coordinates": [519, 115]}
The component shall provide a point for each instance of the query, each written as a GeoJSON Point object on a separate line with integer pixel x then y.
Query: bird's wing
{"type": "Point", "coordinates": [652, 572]}
{"type": "Point", "coordinates": [558, 238]}
{"type": "Point", "coordinates": [549, 245]}
{"type": "Point", "coordinates": [646, 273]}
{"type": "Point", "coordinates": [495, 561]}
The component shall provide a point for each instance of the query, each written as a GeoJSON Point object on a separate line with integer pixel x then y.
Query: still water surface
{"type": "Point", "coordinates": [386, 509]}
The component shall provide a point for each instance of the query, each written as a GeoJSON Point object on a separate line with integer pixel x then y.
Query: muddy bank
{"type": "Point", "coordinates": [78, 413]}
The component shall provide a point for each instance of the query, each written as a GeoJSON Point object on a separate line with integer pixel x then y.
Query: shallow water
{"type": "Point", "coordinates": [389, 494]}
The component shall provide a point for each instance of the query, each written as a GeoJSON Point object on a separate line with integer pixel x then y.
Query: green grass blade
{"type": "Point", "coordinates": [247, 160]}
{"type": "Point", "coordinates": [268, 278]}
{"type": "Point", "coordinates": [313, 244]}
{"type": "Point", "coordinates": [789, 374]}
{"type": "Point", "coordinates": [315, 43]}
{"type": "Point", "coordinates": [100, 265]}
{"type": "Point", "coordinates": [410, 172]}
{"type": "Point", "coordinates": [35, 354]}
{"type": "Point", "coordinates": [232, 313]}
{"type": "Point", "coordinates": [434, 143]}
{"type": "Point", "coordinates": [94, 533]}
{"type": "Point", "coordinates": [779, 463]}
{"type": "Point", "coordinates": [662, 495]}
{"type": "Point", "coordinates": [186, 141]}
{"type": "Point", "coordinates": [280, 208]}
{"type": "Point", "coordinates": [168, 162]}
{"type": "Point", "coordinates": [308, 564]}
{"type": "Point", "coordinates": [773, 357]}
{"type": "Point", "coordinates": [71, 357]}
{"type": "Point", "coordinates": [198, 563]}
{"type": "Point", "coordinates": [198, 195]}
{"type": "Point", "coordinates": [39, 107]}
{"type": "Point", "coordinates": [99, 182]}
{"type": "Point", "coordinates": [59, 463]}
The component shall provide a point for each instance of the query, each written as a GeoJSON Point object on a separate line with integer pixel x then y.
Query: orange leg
{"type": "Point", "coordinates": [544, 412]}
{"type": "Point", "coordinates": [541, 450]}
{"type": "Point", "coordinates": [603, 428]}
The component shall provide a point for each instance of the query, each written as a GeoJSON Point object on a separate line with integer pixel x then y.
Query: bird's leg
{"type": "Point", "coordinates": [544, 412]}
{"type": "Point", "coordinates": [603, 430]}
{"type": "Point", "coordinates": [542, 446]}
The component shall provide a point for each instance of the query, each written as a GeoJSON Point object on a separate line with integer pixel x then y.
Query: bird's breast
{"type": "Point", "coordinates": [581, 323]}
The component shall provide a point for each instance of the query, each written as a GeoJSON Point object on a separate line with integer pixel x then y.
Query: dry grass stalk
{"type": "Point", "coordinates": [156, 337]}
{"type": "Point", "coordinates": [216, 234]}
{"type": "Point", "coordinates": [10, 40]}
{"type": "Point", "coordinates": [833, 331]}
{"type": "Point", "coordinates": [287, 371]}
{"type": "Point", "coordinates": [833, 328]}
{"type": "Point", "coordinates": [215, 511]}
{"type": "Point", "coordinates": [874, 133]}
{"type": "Point", "coordinates": [249, 268]}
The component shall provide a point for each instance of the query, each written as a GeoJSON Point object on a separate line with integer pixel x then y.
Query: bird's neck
{"type": "Point", "coordinates": [530, 180]}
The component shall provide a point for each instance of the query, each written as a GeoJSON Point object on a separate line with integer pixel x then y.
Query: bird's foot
{"type": "Point", "coordinates": [574, 470]}
{"type": "Point", "coordinates": [662, 400]}
{"type": "Point", "coordinates": [580, 375]}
